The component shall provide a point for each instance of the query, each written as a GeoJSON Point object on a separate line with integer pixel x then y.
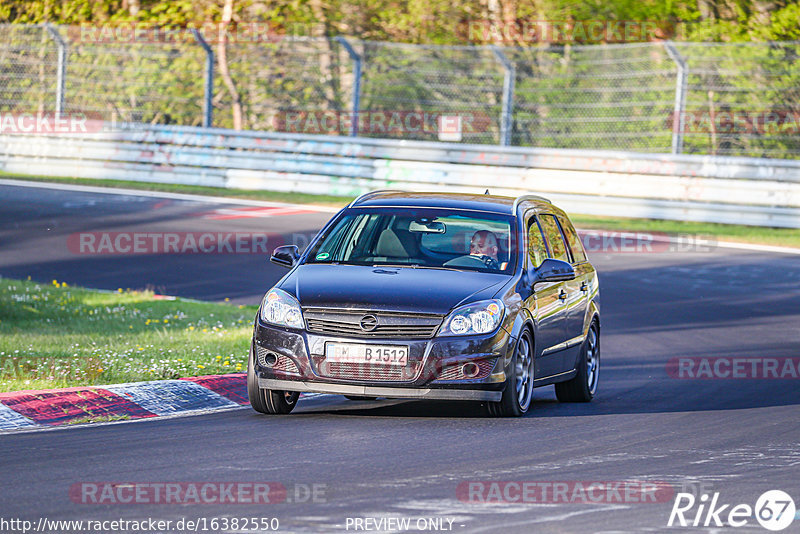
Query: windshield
{"type": "Point", "coordinates": [421, 238]}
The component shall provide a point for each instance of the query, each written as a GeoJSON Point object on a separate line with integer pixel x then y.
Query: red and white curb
{"type": "Point", "coordinates": [222, 214]}
{"type": "Point", "coordinates": [48, 408]}
{"type": "Point", "coordinates": [139, 400]}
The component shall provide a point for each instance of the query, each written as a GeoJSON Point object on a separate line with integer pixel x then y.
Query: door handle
{"type": "Point", "coordinates": [562, 295]}
{"type": "Point", "coordinates": [584, 287]}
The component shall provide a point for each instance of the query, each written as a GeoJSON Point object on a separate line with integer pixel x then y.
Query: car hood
{"type": "Point", "coordinates": [389, 288]}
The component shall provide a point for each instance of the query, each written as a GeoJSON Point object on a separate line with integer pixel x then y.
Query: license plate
{"type": "Point", "coordinates": [367, 354]}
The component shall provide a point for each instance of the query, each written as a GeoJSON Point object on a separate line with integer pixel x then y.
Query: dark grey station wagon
{"type": "Point", "coordinates": [432, 296]}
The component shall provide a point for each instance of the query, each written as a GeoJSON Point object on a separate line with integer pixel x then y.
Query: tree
{"type": "Point", "coordinates": [222, 60]}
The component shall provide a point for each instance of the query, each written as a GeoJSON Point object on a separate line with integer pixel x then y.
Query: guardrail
{"type": "Point", "coordinates": [735, 190]}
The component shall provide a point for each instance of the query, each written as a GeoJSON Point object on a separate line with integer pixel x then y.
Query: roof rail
{"type": "Point", "coordinates": [522, 198]}
{"type": "Point", "coordinates": [370, 193]}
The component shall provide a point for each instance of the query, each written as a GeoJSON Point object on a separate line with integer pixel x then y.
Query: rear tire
{"type": "Point", "coordinates": [518, 392]}
{"type": "Point", "coordinates": [267, 400]}
{"type": "Point", "coordinates": [583, 386]}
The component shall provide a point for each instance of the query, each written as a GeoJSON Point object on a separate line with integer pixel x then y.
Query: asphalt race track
{"type": "Point", "coordinates": [36, 225]}
{"type": "Point", "coordinates": [404, 459]}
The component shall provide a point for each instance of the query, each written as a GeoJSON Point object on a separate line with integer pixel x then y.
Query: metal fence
{"type": "Point", "coordinates": [660, 97]}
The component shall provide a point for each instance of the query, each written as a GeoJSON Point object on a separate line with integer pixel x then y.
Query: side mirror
{"type": "Point", "coordinates": [285, 256]}
{"type": "Point", "coordinates": [553, 271]}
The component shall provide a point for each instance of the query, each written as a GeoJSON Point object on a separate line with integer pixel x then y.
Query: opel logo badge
{"type": "Point", "coordinates": [368, 323]}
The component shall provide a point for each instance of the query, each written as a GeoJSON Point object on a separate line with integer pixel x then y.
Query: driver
{"type": "Point", "coordinates": [484, 246]}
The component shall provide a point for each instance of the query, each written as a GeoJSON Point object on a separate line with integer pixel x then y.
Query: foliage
{"type": "Point", "coordinates": [431, 21]}
{"type": "Point", "coordinates": [569, 96]}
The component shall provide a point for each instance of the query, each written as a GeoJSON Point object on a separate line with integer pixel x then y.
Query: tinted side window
{"type": "Point", "coordinates": [537, 251]}
{"type": "Point", "coordinates": [558, 249]}
{"type": "Point", "coordinates": [574, 242]}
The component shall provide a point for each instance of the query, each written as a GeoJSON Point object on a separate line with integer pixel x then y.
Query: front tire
{"type": "Point", "coordinates": [583, 386]}
{"type": "Point", "coordinates": [268, 401]}
{"type": "Point", "coordinates": [518, 392]}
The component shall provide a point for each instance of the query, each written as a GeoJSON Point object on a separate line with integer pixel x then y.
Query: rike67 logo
{"type": "Point", "coordinates": [774, 510]}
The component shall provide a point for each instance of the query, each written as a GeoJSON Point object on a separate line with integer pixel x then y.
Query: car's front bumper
{"type": "Point", "coordinates": [433, 362]}
{"type": "Point", "coordinates": [380, 391]}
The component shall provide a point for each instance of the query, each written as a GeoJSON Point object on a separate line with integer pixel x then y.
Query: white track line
{"type": "Point", "coordinates": [162, 194]}
{"type": "Point", "coordinates": [323, 209]}
{"type": "Point", "coordinates": [758, 248]}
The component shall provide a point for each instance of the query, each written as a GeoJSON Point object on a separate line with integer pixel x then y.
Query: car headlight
{"type": "Point", "coordinates": [476, 318]}
{"type": "Point", "coordinates": [282, 309]}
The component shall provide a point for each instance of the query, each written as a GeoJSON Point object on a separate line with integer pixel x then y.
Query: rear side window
{"type": "Point", "coordinates": [537, 251]}
{"type": "Point", "coordinates": [558, 249]}
{"type": "Point", "coordinates": [574, 242]}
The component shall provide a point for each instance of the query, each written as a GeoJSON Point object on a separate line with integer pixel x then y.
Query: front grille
{"type": "Point", "coordinates": [454, 372]}
{"type": "Point", "coordinates": [386, 324]}
{"type": "Point", "coordinates": [284, 364]}
{"type": "Point", "coordinates": [375, 373]}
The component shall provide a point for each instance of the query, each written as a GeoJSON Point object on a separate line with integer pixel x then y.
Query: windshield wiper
{"type": "Point", "coordinates": [415, 266]}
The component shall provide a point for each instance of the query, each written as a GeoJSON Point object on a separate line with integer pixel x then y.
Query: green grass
{"type": "Point", "coordinates": [55, 336]}
{"type": "Point", "coordinates": [96, 419]}
{"type": "Point", "coordinates": [787, 237]}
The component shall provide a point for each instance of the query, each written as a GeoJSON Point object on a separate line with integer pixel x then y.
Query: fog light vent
{"type": "Point", "coordinates": [277, 362]}
{"type": "Point", "coordinates": [468, 371]}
